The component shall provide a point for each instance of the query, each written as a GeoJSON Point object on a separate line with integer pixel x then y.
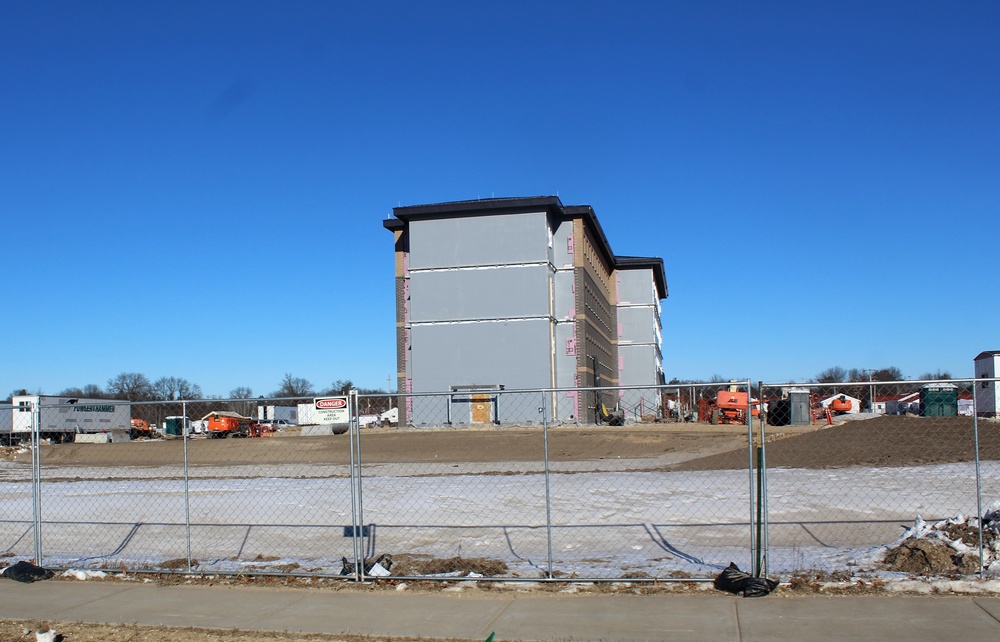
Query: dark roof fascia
{"type": "Point", "coordinates": [646, 262]}
{"type": "Point", "coordinates": [480, 206]}
{"type": "Point", "coordinates": [987, 354]}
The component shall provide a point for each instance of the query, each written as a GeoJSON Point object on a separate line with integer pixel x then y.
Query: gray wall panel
{"type": "Point", "coordinates": [479, 294]}
{"type": "Point", "coordinates": [637, 325]}
{"type": "Point", "coordinates": [639, 365]}
{"type": "Point", "coordinates": [478, 240]}
{"type": "Point", "coordinates": [564, 299]}
{"type": "Point", "coordinates": [566, 406]}
{"type": "Point", "coordinates": [636, 287]}
{"type": "Point", "coordinates": [561, 245]}
{"type": "Point", "coordinates": [512, 353]}
{"type": "Point", "coordinates": [565, 363]}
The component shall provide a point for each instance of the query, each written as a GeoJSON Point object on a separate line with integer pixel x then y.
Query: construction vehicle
{"type": "Point", "coordinates": [841, 405]}
{"type": "Point", "coordinates": [614, 417]}
{"type": "Point", "coordinates": [729, 407]}
{"type": "Point", "coordinates": [222, 423]}
{"type": "Point", "coordinates": [139, 428]}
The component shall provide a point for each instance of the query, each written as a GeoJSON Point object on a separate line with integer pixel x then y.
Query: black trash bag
{"type": "Point", "coordinates": [26, 572]}
{"type": "Point", "coordinates": [384, 560]}
{"type": "Point", "coordinates": [733, 580]}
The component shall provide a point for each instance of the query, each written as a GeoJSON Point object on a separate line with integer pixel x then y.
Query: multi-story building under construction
{"type": "Point", "coordinates": [519, 293]}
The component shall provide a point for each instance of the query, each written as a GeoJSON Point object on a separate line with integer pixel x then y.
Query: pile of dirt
{"type": "Point", "coordinates": [948, 547]}
{"type": "Point", "coordinates": [884, 441]}
{"type": "Point", "coordinates": [408, 446]}
{"type": "Point", "coordinates": [929, 557]}
{"type": "Point", "coordinates": [408, 565]}
{"type": "Point", "coordinates": [9, 453]}
{"type": "Point", "coordinates": [178, 564]}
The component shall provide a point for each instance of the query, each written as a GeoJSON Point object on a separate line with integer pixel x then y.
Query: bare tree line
{"type": "Point", "coordinates": [135, 386]}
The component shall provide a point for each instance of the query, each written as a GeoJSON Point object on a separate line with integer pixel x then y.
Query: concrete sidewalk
{"type": "Point", "coordinates": [512, 615]}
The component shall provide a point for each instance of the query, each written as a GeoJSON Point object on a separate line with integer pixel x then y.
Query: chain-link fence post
{"type": "Point", "coordinates": [548, 488]}
{"type": "Point", "coordinates": [357, 501]}
{"type": "Point", "coordinates": [187, 486]}
{"type": "Point", "coordinates": [979, 482]}
{"type": "Point", "coordinates": [755, 455]}
{"type": "Point", "coordinates": [36, 480]}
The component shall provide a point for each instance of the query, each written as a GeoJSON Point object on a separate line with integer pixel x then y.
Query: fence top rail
{"type": "Point", "coordinates": [865, 382]}
{"type": "Point", "coordinates": [514, 391]}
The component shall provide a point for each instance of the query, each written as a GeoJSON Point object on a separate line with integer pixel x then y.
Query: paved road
{"type": "Point", "coordinates": [512, 615]}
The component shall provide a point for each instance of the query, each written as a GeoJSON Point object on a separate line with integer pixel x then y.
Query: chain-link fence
{"type": "Point", "coordinates": [669, 482]}
{"type": "Point", "coordinates": [538, 484]}
{"type": "Point", "coordinates": [852, 468]}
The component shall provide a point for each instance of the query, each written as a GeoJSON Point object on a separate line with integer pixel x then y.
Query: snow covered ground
{"type": "Point", "coordinates": [608, 523]}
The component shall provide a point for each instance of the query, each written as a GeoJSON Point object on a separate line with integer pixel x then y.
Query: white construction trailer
{"type": "Point", "coordinates": [61, 418]}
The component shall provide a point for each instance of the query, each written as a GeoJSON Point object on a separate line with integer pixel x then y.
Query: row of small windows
{"type": "Point", "coordinates": [597, 265]}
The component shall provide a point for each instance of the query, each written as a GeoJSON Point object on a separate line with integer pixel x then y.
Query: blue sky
{"type": "Point", "coordinates": [196, 189]}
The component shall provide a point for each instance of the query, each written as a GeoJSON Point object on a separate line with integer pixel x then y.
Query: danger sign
{"type": "Point", "coordinates": [332, 410]}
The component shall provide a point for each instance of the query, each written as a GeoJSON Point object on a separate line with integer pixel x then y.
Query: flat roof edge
{"type": "Point", "coordinates": [486, 205]}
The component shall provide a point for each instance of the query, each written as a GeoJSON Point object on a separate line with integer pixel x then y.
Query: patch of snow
{"type": "Point", "coordinates": [461, 586]}
{"type": "Point", "coordinates": [970, 586]}
{"type": "Point", "coordinates": [84, 574]}
{"type": "Point", "coordinates": [657, 522]}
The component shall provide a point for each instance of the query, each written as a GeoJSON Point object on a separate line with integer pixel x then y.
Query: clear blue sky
{"type": "Point", "coordinates": [196, 189]}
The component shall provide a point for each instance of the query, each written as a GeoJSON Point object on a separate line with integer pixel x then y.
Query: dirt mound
{"type": "Point", "coordinates": [882, 441]}
{"type": "Point", "coordinates": [946, 547]}
{"type": "Point", "coordinates": [407, 565]}
{"type": "Point", "coordinates": [407, 446]}
{"type": "Point", "coordinates": [924, 557]}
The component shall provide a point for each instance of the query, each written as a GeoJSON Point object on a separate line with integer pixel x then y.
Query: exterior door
{"type": "Point", "coordinates": [482, 409]}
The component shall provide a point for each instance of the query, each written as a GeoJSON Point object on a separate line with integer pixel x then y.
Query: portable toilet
{"type": "Point", "coordinates": [174, 426]}
{"type": "Point", "coordinates": [939, 400]}
{"type": "Point", "coordinates": [793, 410]}
{"type": "Point", "coordinates": [800, 413]}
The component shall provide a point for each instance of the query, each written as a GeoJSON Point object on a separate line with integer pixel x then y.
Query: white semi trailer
{"type": "Point", "coordinates": [60, 418]}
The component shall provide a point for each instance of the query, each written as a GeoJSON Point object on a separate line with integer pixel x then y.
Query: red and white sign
{"type": "Point", "coordinates": [332, 410]}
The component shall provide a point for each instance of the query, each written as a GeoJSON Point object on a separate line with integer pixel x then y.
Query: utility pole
{"type": "Point", "coordinates": [871, 391]}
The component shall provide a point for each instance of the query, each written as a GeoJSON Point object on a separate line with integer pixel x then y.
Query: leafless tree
{"type": "Point", "coordinates": [132, 386]}
{"type": "Point", "coordinates": [245, 408]}
{"type": "Point", "coordinates": [176, 389]}
{"type": "Point", "coordinates": [71, 392]}
{"type": "Point", "coordinates": [93, 391]}
{"type": "Point", "coordinates": [294, 387]}
{"type": "Point", "coordinates": [339, 387]}
{"type": "Point", "coordinates": [16, 393]}
{"type": "Point", "coordinates": [835, 374]}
